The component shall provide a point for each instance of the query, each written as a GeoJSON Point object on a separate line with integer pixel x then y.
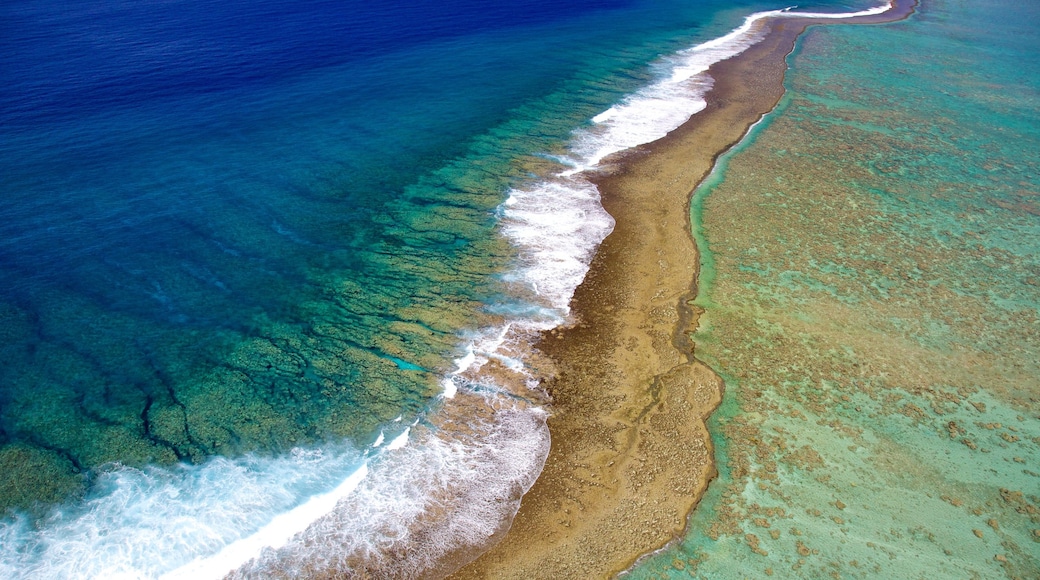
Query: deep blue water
{"type": "Point", "coordinates": [81, 55]}
{"type": "Point", "coordinates": [178, 175]}
{"type": "Point", "coordinates": [241, 227]}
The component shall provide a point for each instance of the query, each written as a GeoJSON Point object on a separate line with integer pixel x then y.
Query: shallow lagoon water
{"type": "Point", "coordinates": [871, 295]}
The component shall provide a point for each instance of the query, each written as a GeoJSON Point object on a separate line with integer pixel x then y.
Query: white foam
{"type": "Point", "coordinates": [557, 226]}
{"type": "Point", "coordinates": [483, 344]}
{"type": "Point", "coordinates": [141, 523]}
{"type": "Point", "coordinates": [449, 388]}
{"type": "Point", "coordinates": [274, 535]}
{"type": "Point", "coordinates": [474, 479]}
{"type": "Point", "coordinates": [868, 12]}
{"type": "Point", "coordinates": [399, 441]}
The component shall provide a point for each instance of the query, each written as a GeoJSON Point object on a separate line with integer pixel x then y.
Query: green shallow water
{"type": "Point", "coordinates": [872, 295]}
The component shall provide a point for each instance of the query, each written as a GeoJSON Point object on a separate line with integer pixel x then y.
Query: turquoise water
{"type": "Point", "coordinates": [872, 302]}
{"type": "Point", "coordinates": [254, 257]}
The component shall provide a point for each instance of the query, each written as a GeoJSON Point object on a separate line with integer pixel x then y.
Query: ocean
{"type": "Point", "coordinates": [273, 268]}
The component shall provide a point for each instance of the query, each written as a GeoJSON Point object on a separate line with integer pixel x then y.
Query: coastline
{"type": "Point", "coordinates": [631, 455]}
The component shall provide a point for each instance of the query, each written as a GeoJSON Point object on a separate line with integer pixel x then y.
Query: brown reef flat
{"type": "Point", "coordinates": [631, 455]}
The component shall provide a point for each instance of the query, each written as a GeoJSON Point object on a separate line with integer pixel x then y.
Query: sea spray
{"type": "Point", "coordinates": [144, 522]}
{"type": "Point", "coordinates": [449, 492]}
